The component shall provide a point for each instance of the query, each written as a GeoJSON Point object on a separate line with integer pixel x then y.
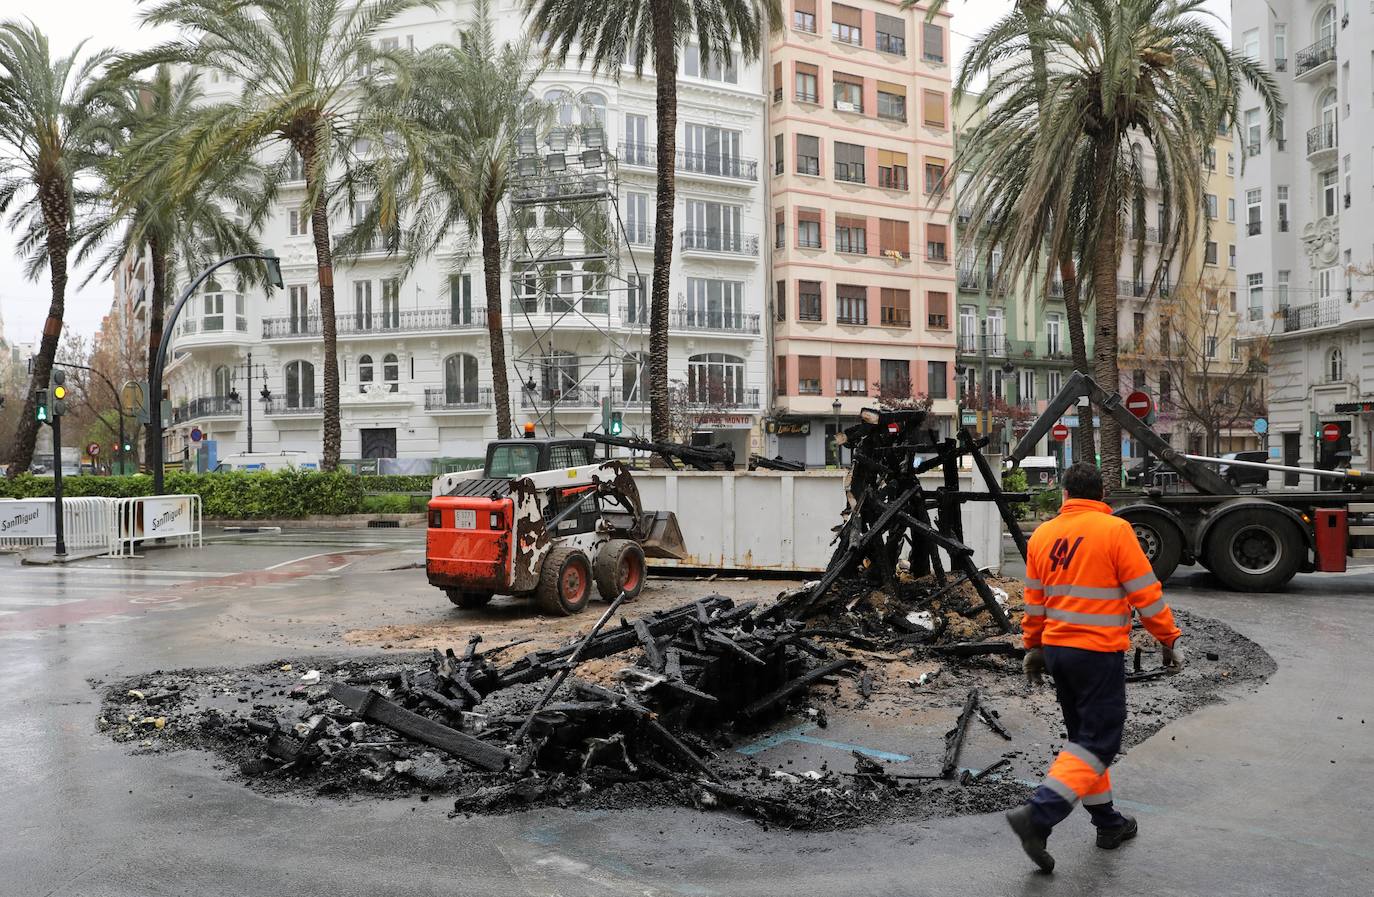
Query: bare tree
{"type": "Point", "coordinates": [1212, 377]}
{"type": "Point", "coordinates": [695, 404]}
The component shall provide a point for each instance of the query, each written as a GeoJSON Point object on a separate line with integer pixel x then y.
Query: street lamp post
{"type": "Point", "coordinates": [234, 394]}
{"type": "Point", "coordinates": [155, 375]}
{"type": "Point", "coordinates": [835, 407]}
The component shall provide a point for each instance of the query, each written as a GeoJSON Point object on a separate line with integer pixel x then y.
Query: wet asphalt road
{"type": "Point", "coordinates": [1267, 793]}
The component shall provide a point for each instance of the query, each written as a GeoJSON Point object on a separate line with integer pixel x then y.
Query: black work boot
{"type": "Point", "coordinates": [1033, 837]}
{"type": "Point", "coordinates": [1112, 838]}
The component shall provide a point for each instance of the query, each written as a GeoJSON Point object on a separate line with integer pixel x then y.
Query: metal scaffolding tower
{"type": "Point", "coordinates": [579, 305]}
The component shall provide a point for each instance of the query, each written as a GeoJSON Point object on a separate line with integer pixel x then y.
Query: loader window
{"type": "Point", "coordinates": [508, 461]}
{"type": "Point", "coordinates": [561, 456]}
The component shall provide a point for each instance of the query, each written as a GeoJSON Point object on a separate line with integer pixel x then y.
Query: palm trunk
{"type": "Point", "coordinates": [1084, 441]}
{"type": "Point", "coordinates": [57, 217]}
{"type": "Point", "coordinates": [157, 312]}
{"type": "Point", "coordinates": [665, 69]}
{"type": "Point", "coordinates": [496, 336]}
{"type": "Point", "coordinates": [1105, 260]}
{"type": "Point", "coordinates": [324, 262]}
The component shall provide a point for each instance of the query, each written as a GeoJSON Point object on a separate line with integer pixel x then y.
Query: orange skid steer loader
{"type": "Point", "coordinates": [543, 518]}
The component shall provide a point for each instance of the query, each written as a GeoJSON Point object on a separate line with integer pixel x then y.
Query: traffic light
{"type": "Point", "coordinates": [41, 412]}
{"type": "Point", "coordinates": [616, 423]}
{"type": "Point", "coordinates": [59, 393]}
{"type": "Point", "coordinates": [128, 448]}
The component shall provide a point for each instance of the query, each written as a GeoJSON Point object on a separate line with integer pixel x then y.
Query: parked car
{"type": "Point", "coordinates": [1143, 473]}
{"type": "Point", "coordinates": [1239, 476]}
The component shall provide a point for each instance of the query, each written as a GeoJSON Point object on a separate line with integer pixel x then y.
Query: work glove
{"type": "Point", "coordinates": [1173, 655]}
{"type": "Point", "coordinates": [1033, 664]}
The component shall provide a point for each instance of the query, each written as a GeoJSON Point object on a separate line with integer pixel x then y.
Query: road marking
{"type": "Point", "coordinates": [125, 601]}
{"type": "Point", "coordinates": [308, 557]}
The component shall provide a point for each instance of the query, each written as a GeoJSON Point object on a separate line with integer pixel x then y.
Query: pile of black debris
{"type": "Point", "coordinates": [655, 702]}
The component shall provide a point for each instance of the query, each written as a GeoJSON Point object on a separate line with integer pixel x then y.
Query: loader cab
{"type": "Point", "coordinates": [511, 458]}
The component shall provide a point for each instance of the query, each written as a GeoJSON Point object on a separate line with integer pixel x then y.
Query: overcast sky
{"type": "Point", "coordinates": [114, 23]}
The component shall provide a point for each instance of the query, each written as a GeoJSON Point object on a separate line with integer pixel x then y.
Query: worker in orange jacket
{"type": "Point", "coordinates": [1085, 573]}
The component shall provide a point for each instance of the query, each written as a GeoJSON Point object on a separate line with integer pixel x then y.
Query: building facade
{"type": "Point", "coordinates": [1304, 194]}
{"type": "Point", "coordinates": [1013, 336]}
{"type": "Point", "coordinates": [861, 139]}
{"type": "Point", "coordinates": [413, 353]}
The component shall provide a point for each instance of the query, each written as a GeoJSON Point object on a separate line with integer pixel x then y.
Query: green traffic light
{"type": "Point", "coordinates": [42, 414]}
{"type": "Point", "coordinates": [616, 424]}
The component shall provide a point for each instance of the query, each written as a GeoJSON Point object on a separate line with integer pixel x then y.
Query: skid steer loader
{"type": "Point", "coordinates": [542, 518]}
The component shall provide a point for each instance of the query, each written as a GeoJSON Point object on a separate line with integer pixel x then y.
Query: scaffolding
{"type": "Point", "coordinates": [579, 302]}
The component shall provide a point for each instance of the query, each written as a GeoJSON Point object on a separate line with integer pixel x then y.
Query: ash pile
{"type": "Point", "coordinates": [654, 707]}
{"type": "Point", "coordinates": [658, 704]}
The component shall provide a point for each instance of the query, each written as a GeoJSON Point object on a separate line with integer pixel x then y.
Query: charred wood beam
{"type": "Point", "coordinates": [700, 457]}
{"type": "Point", "coordinates": [954, 740]}
{"type": "Point", "coordinates": [796, 686]}
{"type": "Point", "coordinates": [573, 661]}
{"type": "Point", "coordinates": [994, 484]}
{"type": "Point", "coordinates": [371, 706]}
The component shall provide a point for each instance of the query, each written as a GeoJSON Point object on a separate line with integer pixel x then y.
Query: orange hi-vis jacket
{"type": "Point", "coordinates": [1084, 573]}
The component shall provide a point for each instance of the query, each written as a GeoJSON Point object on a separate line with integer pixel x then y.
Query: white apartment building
{"type": "Point", "coordinates": [413, 350]}
{"type": "Point", "coordinates": [1307, 243]}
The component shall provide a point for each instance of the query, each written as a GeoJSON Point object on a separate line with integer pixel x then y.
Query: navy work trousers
{"type": "Point", "coordinates": [1091, 687]}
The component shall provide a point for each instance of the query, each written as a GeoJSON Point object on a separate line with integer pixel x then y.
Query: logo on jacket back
{"type": "Point", "coordinates": [1061, 553]}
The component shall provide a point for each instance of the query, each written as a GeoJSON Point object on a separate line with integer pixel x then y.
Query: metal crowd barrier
{"type": "Point", "coordinates": [172, 517]}
{"type": "Point", "coordinates": [31, 522]}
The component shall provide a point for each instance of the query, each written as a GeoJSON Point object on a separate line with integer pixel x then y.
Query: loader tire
{"type": "Point", "coordinates": [619, 568]}
{"type": "Point", "coordinates": [468, 600]}
{"type": "Point", "coordinates": [1255, 550]}
{"type": "Point", "coordinates": [565, 582]}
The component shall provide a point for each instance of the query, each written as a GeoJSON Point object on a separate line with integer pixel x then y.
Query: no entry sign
{"type": "Point", "coordinates": [1331, 433]}
{"type": "Point", "coordinates": [1139, 404]}
{"type": "Point", "coordinates": [1060, 432]}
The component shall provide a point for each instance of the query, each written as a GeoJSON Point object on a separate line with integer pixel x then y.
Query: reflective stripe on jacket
{"type": "Point", "coordinates": [1084, 573]}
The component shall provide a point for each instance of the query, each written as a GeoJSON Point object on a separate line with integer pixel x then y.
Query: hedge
{"type": "Point", "coordinates": [238, 495]}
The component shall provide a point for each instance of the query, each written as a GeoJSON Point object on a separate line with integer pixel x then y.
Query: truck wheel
{"type": "Point", "coordinates": [620, 568]}
{"type": "Point", "coordinates": [1255, 550]}
{"type": "Point", "coordinates": [565, 582]}
{"type": "Point", "coordinates": [1160, 539]}
{"type": "Point", "coordinates": [468, 600]}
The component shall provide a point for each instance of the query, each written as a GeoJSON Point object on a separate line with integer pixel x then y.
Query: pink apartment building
{"type": "Point", "coordinates": [862, 254]}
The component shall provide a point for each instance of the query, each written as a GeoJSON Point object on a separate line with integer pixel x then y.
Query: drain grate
{"type": "Point", "coordinates": [383, 524]}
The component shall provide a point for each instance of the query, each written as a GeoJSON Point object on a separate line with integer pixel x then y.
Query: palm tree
{"type": "Point", "coordinates": [57, 120]}
{"type": "Point", "coordinates": [1063, 165]}
{"type": "Point", "coordinates": [450, 128]}
{"type": "Point", "coordinates": [611, 33]}
{"type": "Point", "coordinates": [300, 63]}
{"type": "Point", "coordinates": [144, 206]}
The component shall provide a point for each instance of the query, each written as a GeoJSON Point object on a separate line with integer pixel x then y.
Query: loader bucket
{"type": "Point", "coordinates": [662, 535]}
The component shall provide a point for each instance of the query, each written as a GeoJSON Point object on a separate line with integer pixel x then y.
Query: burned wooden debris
{"type": "Point", "coordinates": [895, 530]}
{"type": "Point", "coordinates": [538, 727]}
{"type": "Point", "coordinates": [674, 454]}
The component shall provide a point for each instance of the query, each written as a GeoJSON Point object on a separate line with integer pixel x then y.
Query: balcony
{"type": "Point", "coordinates": [1319, 57]}
{"type": "Point", "coordinates": [718, 165]}
{"type": "Point", "coordinates": [714, 321]}
{"type": "Point", "coordinates": [1321, 142]}
{"type": "Point", "coordinates": [721, 242]}
{"type": "Point", "coordinates": [639, 234]}
{"type": "Point", "coordinates": [1150, 232]}
{"type": "Point", "coordinates": [205, 407]}
{"type": "Point", "coordinates": [587, 397]}
{"type": "Point", "coordinates": [637, 155]}
{"type": "Point", "coordinates": [1137, 289]}
{"type": "Point", "coordinates": [728, 399]}
{"type": "Point", "coordinates": [570, 307]}
{"type": "Point", "coordinates": [296, 404]}
{"type": "Point", "coordinates": [974, 344]}
{"type": "Point", "coordinates": [458, 401]}
{"type": "Point", "coordinates": [416, 320]}
{"type": "Point", "coordinates": [1323, 313]}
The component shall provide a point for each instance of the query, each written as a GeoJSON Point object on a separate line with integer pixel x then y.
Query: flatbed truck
{"type": "Point", "coordinates": [1252, 542]}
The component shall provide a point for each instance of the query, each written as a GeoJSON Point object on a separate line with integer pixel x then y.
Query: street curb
{"type": "Point", "coordinates": [321, 521]}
